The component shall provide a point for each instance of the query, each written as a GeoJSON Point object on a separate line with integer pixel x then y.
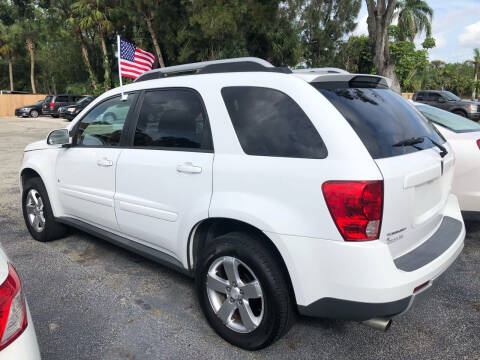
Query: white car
{"type": "Point", "coordinates": [464, 137]}
{"type": "Point", "coordinates": [280, 193]}
{"type": "Point", "coordinates": [17, 334]}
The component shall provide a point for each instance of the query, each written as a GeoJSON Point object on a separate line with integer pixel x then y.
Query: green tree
{"type": "Point", "coordinates": [95, 15]}
{"type": "Point", "coordinates": [325, 23]}
{"type": "Point", "coordinates": [476, 66]}
{"type": "Point", "coordinates": [8, 48]}
{"type": "Point", "coordinates": [73, 22]}
{"type": "Point", "coordinates": [150, 13]}
{"type": "Point", "coordinates": [354, 55]}
{"type": "Point", "coordinates": [414, 17]}
{"type": "Point", "coordinates": [408, 62]}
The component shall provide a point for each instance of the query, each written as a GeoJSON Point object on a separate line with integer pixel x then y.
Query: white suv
{"type": "Point", "coordinates": [321, 193]}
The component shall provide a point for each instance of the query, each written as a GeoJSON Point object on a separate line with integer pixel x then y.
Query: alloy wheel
{"type": "Point", "coordinates": [35, 210]}
{"type": "Point", "coordinates": [235, 294]}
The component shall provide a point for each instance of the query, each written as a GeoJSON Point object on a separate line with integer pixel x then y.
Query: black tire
{"type": "Point", "coordinates": [55, 116]}
{"type": "Point", "coordinates": [460, 113]}
{"type": "Point", "coordinates": [34, 113]}
{"type": "Point", "coordinates": [278, 310]}
{"type": "Point", "coordinates": [52, 229]}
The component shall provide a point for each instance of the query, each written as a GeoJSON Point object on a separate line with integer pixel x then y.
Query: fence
{"type": "Point", "coordinates": [9, 102]}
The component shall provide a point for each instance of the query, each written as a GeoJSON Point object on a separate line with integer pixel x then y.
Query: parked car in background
{"type": "Point", "coordinates": [329, 194]}
{"type": "Point", "coordinates": [33, 110]}
{"type": "Point", "coordinates": [464, 137]}
{"type": "Point", "coordinates": [17, 334]}
{"type": "Point", "coordinates": [71, 111]}
{"type": "Point", "coordinates": [445, 100]}
{"type": "Point", "coordinates": [54, 102]}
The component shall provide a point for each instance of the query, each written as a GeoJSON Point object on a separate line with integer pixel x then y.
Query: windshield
{"type": "Point", "coordinates": [450, 96]}
{"type": "Point", "coordinates": [381, 118]}
{"type": "Point", "coordinates": [84, 100]}
{"type": "Point", "coordinates": [447, 119]}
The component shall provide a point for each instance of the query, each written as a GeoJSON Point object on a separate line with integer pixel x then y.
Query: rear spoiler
{"type": "Point", "coordinates": [336, 81]}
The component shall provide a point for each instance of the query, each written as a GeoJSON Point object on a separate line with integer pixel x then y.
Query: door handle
{"type": "Point", "coordinates": [189, 168]}
{"type": "Point", "coordinates": [104, 162]}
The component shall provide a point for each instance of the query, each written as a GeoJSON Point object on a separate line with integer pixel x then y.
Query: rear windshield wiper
{"type": "Point", "coordinates": [410, 141]}
{"type": "Point", "coordinates": [418, 140]}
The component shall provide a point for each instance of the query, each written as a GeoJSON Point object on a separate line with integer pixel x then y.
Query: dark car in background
{"type": "Point", "coordinates": [33, 110]}
{"type": "Point", "coordinates": [445, 100]}
{"type": "Point", "coordinates": [54, 102]}
{"type": "Point", "coordinates": [70, 111]}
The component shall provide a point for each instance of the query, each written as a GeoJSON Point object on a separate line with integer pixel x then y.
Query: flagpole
{"type": "Point", "coordinates": [119, 70]}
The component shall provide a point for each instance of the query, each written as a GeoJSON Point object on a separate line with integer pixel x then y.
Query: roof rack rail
{"type": "Point", "coordinates": [242, 64]}
{"type": "Point", "coordinates": [325, 70]}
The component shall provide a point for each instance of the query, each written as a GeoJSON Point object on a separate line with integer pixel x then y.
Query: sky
{"type": "Point", "coordinates": [455, 27]}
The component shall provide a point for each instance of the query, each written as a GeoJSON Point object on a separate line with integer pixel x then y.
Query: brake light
{"type": "Point", "coordinates": [478, 143]}
{"type": "Point", "coordinates": [52, 105]}
{"type": "Point", "coordinates": [356, 208]}
{"type": "Point", "coordinates": [13, 314]}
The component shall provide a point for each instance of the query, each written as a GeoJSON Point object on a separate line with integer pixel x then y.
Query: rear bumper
{"type": "Point", "coordinates": [359, 281]}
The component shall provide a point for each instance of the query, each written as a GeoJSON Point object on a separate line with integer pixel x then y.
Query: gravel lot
{"type": "Point", "coordinates": [92, 300]}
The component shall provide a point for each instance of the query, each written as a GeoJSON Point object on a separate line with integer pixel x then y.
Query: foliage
{"type": "Point", "coordinates": [408, 62]}
{"type": "Point", "coordinates": [414, 17]}
{"type": "Point", "coordinates": [73, 42]}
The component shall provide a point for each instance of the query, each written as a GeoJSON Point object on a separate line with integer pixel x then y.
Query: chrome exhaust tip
{"type": "Point", "coordinates": [381, 324]}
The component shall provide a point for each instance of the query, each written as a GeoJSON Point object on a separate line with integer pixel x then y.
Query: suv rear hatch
{"type": "Point", "coordinates": [46, 103]}
{"type": "Point", "coordinates": [417, 179]}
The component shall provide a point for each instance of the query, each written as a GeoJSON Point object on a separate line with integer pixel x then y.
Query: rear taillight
{"type": "Point", "coordinates": [478, 143]}
{"type": "Point", "coordinates": [52, 105]}
{"type": "Point", "coordinates": [13, 314]}
{"type": "Point", "coordinates": [356, 208]}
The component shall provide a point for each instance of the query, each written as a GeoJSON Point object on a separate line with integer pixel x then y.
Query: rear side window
{"type": "Point", "coordinates": [269, 123]}
{"type": "Point", "coordinates": [173, 118]}
{"type": "Point", "coordinates": [381, 118]}
{"type": "Point", "coordinates": [420, 96]}
{"type": "Point", "coordinates": [61, 99]}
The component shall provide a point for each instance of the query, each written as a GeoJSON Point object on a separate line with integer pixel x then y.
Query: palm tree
{"type": "Point", "coordinates": [476, 66]}
{"type": "Point", "coordinates": [414, 17]}
{"type": "Point", "coordinates": [94, 15]}
{"type": "Point", "coordinates": [7, 50]}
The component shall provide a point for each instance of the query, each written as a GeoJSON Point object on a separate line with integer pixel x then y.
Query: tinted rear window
{"type": "Point", "coordinates": [447, 119]}
{"type": "Point", "coordinates": [61, 99]}
{"type": "Point", "coordinates": [381, 118]}
{"type": "Point", "coordinates": [48, 99]}
{"type": "Point", "coordinates": [269, 123]}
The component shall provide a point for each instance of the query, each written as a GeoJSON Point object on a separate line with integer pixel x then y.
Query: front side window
{"type": "Point", "coordinates": [447, 119]}
{"type": "Point", "coordinates": [103, 125]}
{"type": "Point", "coordinates": [434, 96]}
{"type": "Point", "coordinates": [269, 123]}
{"type": "Point", "coordinates": [449, 96]}
{"type": "Point", "coordinates": [173, 118]}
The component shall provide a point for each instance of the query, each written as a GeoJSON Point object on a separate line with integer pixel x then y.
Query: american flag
{"type": "Point", "coordinates": [133, 60]}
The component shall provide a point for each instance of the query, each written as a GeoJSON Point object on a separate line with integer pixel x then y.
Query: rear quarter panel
{"type": "Point", "coordinates": [275, 194]}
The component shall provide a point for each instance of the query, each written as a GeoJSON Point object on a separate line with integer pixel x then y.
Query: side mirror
{"type": "Point", "coordinates": [59, 137]}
